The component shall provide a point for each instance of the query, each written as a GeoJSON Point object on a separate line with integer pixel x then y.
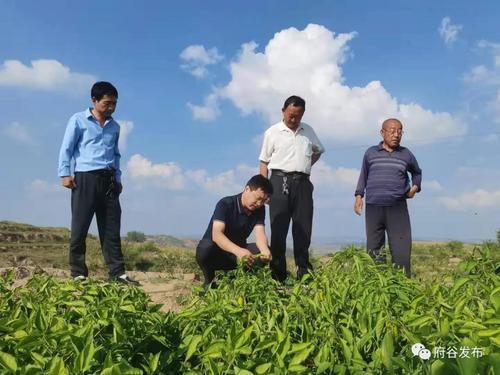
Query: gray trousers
{"type": "Point", "coordinates": [396, 221]}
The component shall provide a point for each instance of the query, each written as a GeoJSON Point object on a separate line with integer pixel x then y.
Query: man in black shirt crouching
{"type": "Point", "coordinates": [234, 219]}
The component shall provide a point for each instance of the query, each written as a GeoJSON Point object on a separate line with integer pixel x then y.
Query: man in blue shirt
{"type": "Point", "coordinates": [384, 177]}
{"type": "Point", "coordinates": [234, 219]}
{"type": "Point", "coordinates": [91, 142]}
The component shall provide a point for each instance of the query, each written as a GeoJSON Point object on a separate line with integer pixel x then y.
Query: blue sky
{"type": "Point", "coordinates": [200, 82]}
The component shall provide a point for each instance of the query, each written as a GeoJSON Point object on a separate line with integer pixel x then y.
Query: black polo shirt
{"type": "Point", "coordinates": [239, 224]}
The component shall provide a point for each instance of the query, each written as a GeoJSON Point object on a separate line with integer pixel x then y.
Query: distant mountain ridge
{"type": "Point", "coordinates": [166, 240]}
{"type": "Point", "coordinates": [12, 232]}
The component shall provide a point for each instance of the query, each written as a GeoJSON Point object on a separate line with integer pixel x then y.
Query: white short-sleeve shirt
{"type": "Point", "coordinates": [290, 151]}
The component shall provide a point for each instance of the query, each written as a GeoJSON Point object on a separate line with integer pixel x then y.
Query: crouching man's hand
{"type": "Point", "coordinates": [266, 256]}
{"type": "Point", "coordinates": [244, 255]}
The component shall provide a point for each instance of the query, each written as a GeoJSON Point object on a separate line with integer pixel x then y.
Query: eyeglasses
{"type": "Point", "coordinates": [393, 131]}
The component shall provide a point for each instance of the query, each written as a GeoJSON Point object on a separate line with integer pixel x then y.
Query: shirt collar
{"type": "Point", "coordinates": [88, 114]}
{"type": "Point", "coordinates": [241, 210]}
{"type": "Point", "coordinates": [284, 127]}
{"type": "Point", "coordinates": [239, 203]}
{"type": "Point", "coordinates": [381, 147]}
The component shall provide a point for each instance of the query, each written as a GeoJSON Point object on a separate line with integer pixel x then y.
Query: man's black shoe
{"type": "Point", "coordinates": [124, 279]}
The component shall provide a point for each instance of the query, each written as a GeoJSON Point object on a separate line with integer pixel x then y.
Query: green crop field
{"type": "Point", "coordinates": [350, 317]}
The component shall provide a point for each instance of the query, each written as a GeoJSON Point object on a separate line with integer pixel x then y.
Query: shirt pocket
{"type": "Point", "coordinates": [304, 146]}
{"type": "Point", "coordinates": [109, 138]}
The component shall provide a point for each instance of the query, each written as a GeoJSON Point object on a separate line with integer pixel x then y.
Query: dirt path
{"type": "Point", "coordinates": [163, 289]}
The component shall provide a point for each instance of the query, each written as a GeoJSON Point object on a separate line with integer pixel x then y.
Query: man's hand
{"type": "Point", "coordinates": [358, 204]}
{"type": "Point", "coordinates": [412, 191]}
{"type": "Point", "coordinates": [266, 256]}
{"type": "Point", "coordinates": [68, 182]}
{"type": "Point", "coordinates": [244, 254]}
{"type": "Point", "coordinates": [314, 158]}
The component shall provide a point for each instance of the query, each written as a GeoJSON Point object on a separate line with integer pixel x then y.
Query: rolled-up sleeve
{"type": "Point", "coordinates": [66, 152]}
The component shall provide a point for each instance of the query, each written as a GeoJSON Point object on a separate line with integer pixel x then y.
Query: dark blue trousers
{"type": "Point", "coordinates": [96, 193]}
{"type": "Point", "coordinates": [294, 203]}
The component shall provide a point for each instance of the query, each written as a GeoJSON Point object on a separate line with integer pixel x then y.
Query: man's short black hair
{"type": "Point", "coordinates": [99, 89]}
{"type": "Point", "coordinates": [260, 182]}
{"type": "Point", "coordinates": [296, 101]}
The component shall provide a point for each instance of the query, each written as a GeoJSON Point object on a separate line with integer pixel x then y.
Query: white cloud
{"type": "Point", "coordinates": [494, 107]}
{"type": "Point", "coordinates": [246, 170]}
{"type": "Point", "coordinates": [486, 75]}
{"type": "Point", "coordinates": [483, 74]}
{"type": "Point", "coordinates": [207, 112]}
{"type": "Point", "coordinates": [473, 200]}
{"type": "Point", "coordinates": [485, 79]}
{"type": "Point", "coordinates": [309, 63]}
{"type": "Point", "coordinates": [144, 172]}
{"type": "Point", "coordinates": [171, 176]}
{"type": "Point", "coordinates": [490, 138]}
{"type": "Point", "coordinates": [20, 133]}
{"type": "Point", "coordinates": [197, 57]}
{"type": "Point", "coordinates": [125, 130]}
{"type": "Point", "coordinates": [325, 177]}
{"type": "Point", "coordinates": [432, 185]}
{"type": "Point", "coordinates": [473, 176]}
{"type": "Point", "coordinates": [478, 74]}
{"type": "Point", "coordinates": [48, 75]}
{"type": "Point", "coordinates": [42, 187]}
{"type": "Point", "coordinates": [448, 31]}
{"type": "Point", "coordinates": [220, 184]}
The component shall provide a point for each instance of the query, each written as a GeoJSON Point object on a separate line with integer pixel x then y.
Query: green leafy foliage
{"type": "Point", "coordinates": [350, 317]}
{"type": "Point", "coordinates": [75, 328]}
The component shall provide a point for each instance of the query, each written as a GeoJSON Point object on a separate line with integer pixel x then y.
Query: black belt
{"type": "Point", "coordinates": [293, 175]}
{"type": "Point", "coordinates": [103, 172]}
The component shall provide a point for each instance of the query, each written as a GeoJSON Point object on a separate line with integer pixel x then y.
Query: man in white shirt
{"type": "Point", "coordinates": [289, 150]}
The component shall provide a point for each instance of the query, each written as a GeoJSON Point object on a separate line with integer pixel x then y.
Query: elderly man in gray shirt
{"type": "Point", "coordinates": [290, 148]}
{"type": "Point", "coordinates": [384, 177]}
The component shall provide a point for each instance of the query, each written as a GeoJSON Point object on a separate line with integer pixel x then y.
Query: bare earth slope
{"type": "Point", "coordinates": [29, 249]}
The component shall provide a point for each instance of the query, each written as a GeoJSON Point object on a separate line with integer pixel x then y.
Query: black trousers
{"type": "Point", "coordinates": [95, 193]}
{"type": "Point", "coordinates": [211, 258]}
{"type": "Point", "coordinates": [296, 205]}
{"type": "Point", "coordinates": [396, 221]}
